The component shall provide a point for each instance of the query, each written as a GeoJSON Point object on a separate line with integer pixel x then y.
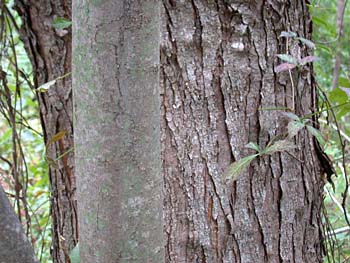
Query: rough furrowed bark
{"type": "Point", "coordinates": [49, 50]}
{"type": "Point", "coordinates": [217, 76]}
{"type": "Point", "coordinates": [117, 130]}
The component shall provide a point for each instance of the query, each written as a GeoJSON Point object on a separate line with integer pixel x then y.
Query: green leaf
{"type": "Point", "coordinates": [61, 23]}
{"type": "Point", "coordinates": [343, 111]}
{"type": "Point", "coordinates": [254, 146]}
{"type": "Point", "coordinates": [307, 59]}
{"type": "Point", "coordinates": [322, 23]}
{"type": "Point", "coordinates": [279, 146]}
{"type": "Point", "coordinates": [45, 87]}
{"type": "Point", "coordinates": [315, 132]}
{"type": "Point", "coordinates": [64, 154]}
{"type": "Point", "coordinates": [58, 136]}
{"type": "Point", "coordinates": [347, 91]}
{"type": "Point", "coordinates": [294, 127]}
{"type": "Point", "coordinates": [288, 58]}
{"type": "Point", "coordinates": [338, 96]}
{"type": "Point", "coordinates": [307, 42]}
{"type": "Point", "coordinates": [344, 82]}
{"type": "Point", "coordinates": [325, 48]}
{"type": "Point", "coordinates": [236, 168]}
{"type": "Point", "coordinates": [6, 136]}
{"type": "Point", "coordinates": [291, 116]}
{"type": "Point", "coordinates": [288, 34]}
{"type": "Point", "coordinates": [284, 67]}
{"type": "Point", "coordinates": [74, 254]}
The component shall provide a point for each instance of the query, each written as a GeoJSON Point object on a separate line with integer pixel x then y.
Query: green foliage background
{"type": "Point", "coordinates": [329, 45]}
{"type": "Point", "coordinates": [22, 136]}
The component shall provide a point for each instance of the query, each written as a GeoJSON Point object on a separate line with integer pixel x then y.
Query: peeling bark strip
{"type": "Point", "coordinates": [117, 130]}
{"type": "Point", "coordinates": [49, 50]}
{"type": "Point", "coordinates": [217, 61]}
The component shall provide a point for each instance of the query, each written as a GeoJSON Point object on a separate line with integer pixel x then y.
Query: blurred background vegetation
{"type": "Point", "coordinates": [332, 38]}
{"type": "Point", "coordinates": [24, 168]}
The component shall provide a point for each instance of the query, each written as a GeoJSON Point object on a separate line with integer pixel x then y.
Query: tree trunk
{"type": "Point", "coordinates": [217, 76]}
{"type": "Point", "coordinates": [117, 130]}
{"type": "Point", "coordinates": [14, 246]}
{"type": "Point", "coordinates": [49, 50]}
{"type": "Point", "coordinates": [217, 72]}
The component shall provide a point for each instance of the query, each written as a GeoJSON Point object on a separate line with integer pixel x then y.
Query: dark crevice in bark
{"type": "Point", "coordinates": [55, 109]}
{"type": "Point", "coordinates": [260, 229]}
{"type": "Point", "coordinates": [169, 21]}
{"type": "Point", "coordinates": [221, 98]}
{"type": "Point", "coordinates": [215, 94]}
{"type": "Point", "coordinates": [280, 191]}
{"type": "Point", "coordinates": [197, 37]}
{"type": "Point", "coordinates": [265, 28]}
{"type": "Point", "coordinates": [293, 243]}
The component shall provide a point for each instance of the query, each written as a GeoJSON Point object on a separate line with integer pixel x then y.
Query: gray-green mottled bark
{"type": "Point", "coordinates": [117, 130]}
{"type": "Point", "coordinates": [14, 246]}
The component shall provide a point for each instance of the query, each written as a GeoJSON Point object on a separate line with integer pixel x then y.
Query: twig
{"type": "Point", "coordinates": [343, 144]}
{"type": "Point", "coordinates": [346, 137]}
{"type": "Point", "coordinates": [340, 26]}
{"type": "Point", "coordinates": [345, 229]}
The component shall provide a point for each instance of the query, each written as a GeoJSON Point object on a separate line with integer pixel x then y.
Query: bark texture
{"type": "Point", "coordinates": [49, 50]}
{"type": "Point", "coordinates": [217, 73]}
{"type": "Point", "coordinates": [217, 60]}
{"type": "Point", "coordinates": [14, 246]}
{"type": "Point", "coordinates": [117, 130]}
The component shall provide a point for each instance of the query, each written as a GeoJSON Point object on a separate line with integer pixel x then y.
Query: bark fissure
{"type": "Point", "coordinates": [50, 54]}
{"type": "Point", "coordinates": [217, 61]}
{"type": "Point", "coordinates": [224, 54]}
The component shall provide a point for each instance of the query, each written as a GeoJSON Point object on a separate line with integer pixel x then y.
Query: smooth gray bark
{"type": "Point", "coordinates": [117, 130]}
{"type": "Point", "coordinates": [217, 71]}
{"type": "Point", "coordinates": [14, 245]}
